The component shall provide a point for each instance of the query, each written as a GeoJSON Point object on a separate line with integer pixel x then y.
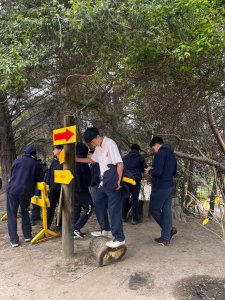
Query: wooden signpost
{"type": "Point", "coordinates": [66, 136]}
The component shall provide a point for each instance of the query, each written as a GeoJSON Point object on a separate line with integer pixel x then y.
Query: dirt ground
{"type": "Point", "coordinates": [193, 261]}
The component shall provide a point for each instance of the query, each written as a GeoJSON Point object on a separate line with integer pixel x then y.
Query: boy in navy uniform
{"type": "Point", "coordinates": [54, 188]}
{"type": "Point", "coordinates": [26, 172]}
{"type": "Point", "coordinates": [83, 198]}
{"type": "Point", "coordinates": [108, 197]}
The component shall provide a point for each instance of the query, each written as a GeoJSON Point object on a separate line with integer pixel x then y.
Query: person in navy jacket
{"type": "Point", "coordinates": [82, 195]}
{"type": "Point", "coordinates": [54, 188]}
{"type": "Point", "coordinates": [26, 172]}
{"type": "Point", "coordinates": [136, 164]}
{"type": "Point", "coordinates": [162, 173]}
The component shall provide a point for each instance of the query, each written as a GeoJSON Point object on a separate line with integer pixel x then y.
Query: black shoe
{"type": "Point", "coordinates": [78, 234]}
{"type": "Point", "coordinates": [162, 242]}
{"type": "Point", "coordinates": [173, 232]}
{"type": "Point", "coordinates": [134, 222]}
{"type": "Point", "coordinates": [124, 220]}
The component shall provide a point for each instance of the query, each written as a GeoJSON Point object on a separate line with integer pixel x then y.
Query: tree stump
{"type": "Point", "coordinates": [144, 209]}
{"type": "Point", "coordinates": [105, 255]}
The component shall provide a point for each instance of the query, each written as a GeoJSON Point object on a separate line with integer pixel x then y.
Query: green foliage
{"type": "Point", "coordinates": [26, 31]}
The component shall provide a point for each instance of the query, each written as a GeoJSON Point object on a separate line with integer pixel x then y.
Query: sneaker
{"type": "Point", "coordinates": [134, 222]}
{"type": "Point", "coordinates": [14, 245]}
{"type": "Point", "coordinates": [78, 234]}
{"type": "Point", "coordinates": [106, 233]}
{"type": "Point", "coordinates": [27, 240]}
{"type": "Point", "coordinates": [162, 242]}
{"type": "Point", "coordinates": [173, 232]}
{"type": "Point", "coordinates": [115, 244]}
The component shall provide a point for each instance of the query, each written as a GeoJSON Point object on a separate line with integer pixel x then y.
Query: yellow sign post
{"type": "Point", "coordinates": [63, 176]}
{"type": "Point", "coordinates": [43, 202]}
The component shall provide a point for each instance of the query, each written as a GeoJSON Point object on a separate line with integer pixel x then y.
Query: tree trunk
{"type": "Point", "coordinates": [7, 145]}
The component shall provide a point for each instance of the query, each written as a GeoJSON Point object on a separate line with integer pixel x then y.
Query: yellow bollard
{"type": "Point", "coordinates": [43, 202]}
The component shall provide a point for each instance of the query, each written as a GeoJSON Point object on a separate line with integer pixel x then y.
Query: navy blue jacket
{"type": "Point", "coordinates": [95, 174]}
{"type": "Point", "coordinates": [164, 168]}
{"type": "Point", "coordinates": [135, 163]}
{"type": "Point", "coordinates": [55, 165]}
{"type": "Point", "coordinates": [82, 172]}
{"type": "Point", "coordinates": [26, 172]}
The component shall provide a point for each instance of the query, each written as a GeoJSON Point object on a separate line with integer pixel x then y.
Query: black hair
{"type": "Point", "coordinates": [156, 140]}
{"type": "Point", "coordinates": [90, 134]}
{"type": "Point", "coordinates": [135, 147]}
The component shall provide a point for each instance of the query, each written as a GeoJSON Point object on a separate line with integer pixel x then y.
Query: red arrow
{"type": "Point", "coordinates": [63, 135]}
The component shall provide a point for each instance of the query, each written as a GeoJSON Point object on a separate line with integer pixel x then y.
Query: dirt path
{"type": "Point", "coordinates": [148, 270]}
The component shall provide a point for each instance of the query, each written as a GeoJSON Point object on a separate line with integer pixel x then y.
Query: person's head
{"type": "Point", "coordinates": [30, 150]}
{"type": "Point", "coordinates": [156, 143]}
{"type": "Point", "coordinates": [92, 137]}
{"type": "Point", "coordinates": [135, 147]}
{"type": "Point", "coordinates": [57, 149]}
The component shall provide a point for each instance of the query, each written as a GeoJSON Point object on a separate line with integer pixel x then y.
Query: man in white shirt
{"type": "Point", "coordinates": [108, 196]}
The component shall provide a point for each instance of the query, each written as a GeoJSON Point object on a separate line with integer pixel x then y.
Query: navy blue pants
{"type": "Point", "coordinates": [83, 201]}
{"type": "Point", "coordinates": [36, 209]}
{"type": "Point", "coordinates": [111, 200]}
{"type": "Point", "coordinates": [54, 199]}
{"type": "Point", "coordinates": [132, 201]}
{"type": "Point", "coordinates": [13, 203]}
{"type": "Point", "coordinates": [161, 210]}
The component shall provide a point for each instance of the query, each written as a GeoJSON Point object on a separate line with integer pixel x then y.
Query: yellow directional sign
{"type": "Point", "coordinates": [63, 176]}
{"type": "Point", "coordinates": [62, 157]}
{"type": "Point", "coordinates": [65, 135]}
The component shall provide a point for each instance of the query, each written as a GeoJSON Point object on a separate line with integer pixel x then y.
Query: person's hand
{"type": "Point", "coordinates": [147, 169]}
{"type": "Point", "coordinates": [118, 186]}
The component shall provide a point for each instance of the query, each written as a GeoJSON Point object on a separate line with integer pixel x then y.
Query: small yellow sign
{"type": "Point", "coordinates": [62, 157]}
{"type": "Point", "coordinates": [65, 135]}
{"type": "Point", "coordinates": [63, 176]}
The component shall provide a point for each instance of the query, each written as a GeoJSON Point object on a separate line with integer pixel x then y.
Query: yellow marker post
{"type": "Point", "coordinates": [63, 176]}
{"type": "Point", "coordinates": [43, 202]}
{"type": "Point", "coordinates": [129, 180]}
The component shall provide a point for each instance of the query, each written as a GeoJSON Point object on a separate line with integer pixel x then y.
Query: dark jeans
{"type": "Point", "coordinates": [13, 203]}
{"type": "Point", "coordinates": [35, 213]}
{"type": "Point", "coordinates": [82, 200]}
{"type": "Point", "coordinates": [133, 201]}
{"type": "Point", "coordinates": [161, 210]}
{"type": "Point", "coordinates": [36, 209]}
{"type": "Point", "coordinates": [111, 200]}
{"type": "Point", "coordinates": [54, 199]}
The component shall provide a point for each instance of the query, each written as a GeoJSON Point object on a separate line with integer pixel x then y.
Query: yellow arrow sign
{"type": "Point", "coordinates": [62, 157]}
{"type": "Point", "coordinates": [63, 176]}
{"type": "Point", "coordinates": [65, 135]}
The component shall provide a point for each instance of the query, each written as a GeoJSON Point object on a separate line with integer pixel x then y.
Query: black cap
{"type": "Point", "coordinates": [156, 140]}
{"type": "Point", "coordinates": [135, 147]}
{"type": "Point", "coordinates": [90, 134]}
{"type": "Point", "coordinates": [60, 147]}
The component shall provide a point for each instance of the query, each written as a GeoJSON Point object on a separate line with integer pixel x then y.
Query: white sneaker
{"type": "Point", "coordinates": [115, 244]}
{"type": "Point", "coordinates": [102, 233]}
{"type": "Point", "coordinates": [14, 245]}
{"type": "Point", "coordinates": [107, 234]}
{"type": "Point", "coordinates": [27, 240]}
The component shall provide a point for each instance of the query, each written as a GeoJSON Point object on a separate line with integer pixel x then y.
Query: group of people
{"type": "Point", "coordinates": [98, 187]}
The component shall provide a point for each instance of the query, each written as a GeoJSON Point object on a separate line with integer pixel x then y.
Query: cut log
{"type": "Point", "coordinates": [105, 255]}
{"type": "Point", "coordinates": [144, 209]}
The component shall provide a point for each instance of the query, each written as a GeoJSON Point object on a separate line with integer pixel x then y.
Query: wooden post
{"type": "Point", "coordinates": [68, 197]}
